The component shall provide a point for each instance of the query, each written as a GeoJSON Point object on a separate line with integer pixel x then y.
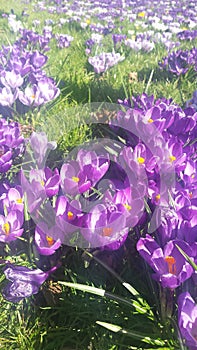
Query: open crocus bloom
{"type": "Point", "coordinates": [171, 268]}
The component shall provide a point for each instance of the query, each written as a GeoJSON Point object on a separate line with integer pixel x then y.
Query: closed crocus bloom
{"type": "Point", "coordinates": [187, 320]}
{"type": "Point", "coordinates": [23, 282]}
{"type": "Point", "coordinates": [41, 147]}
{"type": "Point", "coordinates": [38, 59]}
{"type": "Point", "coordinates": [170, 267]}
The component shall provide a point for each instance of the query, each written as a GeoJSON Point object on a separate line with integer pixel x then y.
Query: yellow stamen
{"type": "Point", "coordinates": [50, 241]}
{"type": "Point", "coordinates": [150, 120]}
{"type": "Point", "coordinates": [70, 215]}
{"type": "Point", "coordinates": [33, 96]}
{"type": "Point", "coordinates": [172, 158]}
{"type": "Point", "coordinates": [158, 196]}
{"type": "Point", "coordinates": [107, 231]}
{"type": "Point", "coordinates": [127, 206]}
{"type": "Point", "coordinates": [171, 264]}
{"type": "Point", "coordinates": [6, 228]}
{"type": "Point", "coordinates": [75, 179]}
{"type": "Point", "coordinates": [42, 182]}
{"type": "Point", "coordinates": [19, 200]}
{"type": "Point", "coordinates": [88, 21]}
{"type": "Point", "coordinates": [141, 160]}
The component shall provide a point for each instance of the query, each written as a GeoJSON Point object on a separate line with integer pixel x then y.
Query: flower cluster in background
{"type": "Point", "coordinates": [180, 61]}
{"type": "Point", "coordinates": [104, 61]}
{"type": "Point", "coordinates": [24, 83]}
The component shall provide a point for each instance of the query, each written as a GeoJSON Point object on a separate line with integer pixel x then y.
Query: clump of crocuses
{"type": "Point", "coordinates": [101, 63]}
{"type": "Point", "coordinates": [24, 84]}
{"type": "Point", "coordinates": [179, 62]}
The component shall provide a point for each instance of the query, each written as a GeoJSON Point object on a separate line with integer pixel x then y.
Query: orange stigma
{"type": "Point", "coordinates": [171, 264]}
{"type": "Point", "coordinates": [107, 231]}
{"type": "Point", "coordinates": [157, 197]}
{"type": "Point", "coordinates": [50, 241]}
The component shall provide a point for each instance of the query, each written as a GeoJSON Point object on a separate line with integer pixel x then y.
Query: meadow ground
{"type": "Point", "coordinates": [142, 38]}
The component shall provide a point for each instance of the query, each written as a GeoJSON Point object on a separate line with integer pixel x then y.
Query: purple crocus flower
{"type": "Point", "coordinates": [38, 59]}
{"type": "Point", "coordinates": [80, 175]}
{"type": "Point", "coordinates": [69, 218]}
{"type": "Point", "coordinates": [118, 38]}
{"type": "Point", "coordinates": [178, 62]}
{"type": "Point", "coordinates": [69, 177]}
{"type": "Point", "coordinates": [187, 319]}
{"type": "Point", "coordinates": [42, 184]}
{"type": "Point", "coordinates": [45, 244]}
{"type": "Point", "coordinates": [132, 202]}
{"type": "Point", "coordinates": [7, 97]}
{"type": "Point", "coordinates": [170, 267]}
{"type": "Point", "coordinates": [13, 200]}
{"type": "Point", "coordinates": [105, 226]}
{"type": "Point", "coordinates": [12, 79]}
{"type": "Point", "coordinates": [10, 226]}
{"type": "Point", "coordinates": [24, 282]}
{"type": "Point", "coordinates": [41, 147]}
{"type": "Point", "coordinates": [31, 96]}
{"type": "Point", "coordinates": [45, 180]}
{"type": "Point", "coordinates": [104, 61]}
{"type": "Point", "coordinates": [63, 40]}
{"type": "Point", "coordinates": [47, 89]}
{"type": "Point", "coordinates": [5, 159]}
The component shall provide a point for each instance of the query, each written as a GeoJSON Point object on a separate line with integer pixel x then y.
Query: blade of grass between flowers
{"type": "Point", "coordinates": [143, 305]}
{"type": "Point", "coordinates": [97, 291]}
{"type": "Point", "coordinates": [103, 293]}
{"type": "Point", "coordinates": [136, 335]}
{"type": "Point", "coordinates": [182, 347]}
{"type": "Point", "coordinates": [149, 81]}
{"type": "Point", "coordinates": [190, 261]}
